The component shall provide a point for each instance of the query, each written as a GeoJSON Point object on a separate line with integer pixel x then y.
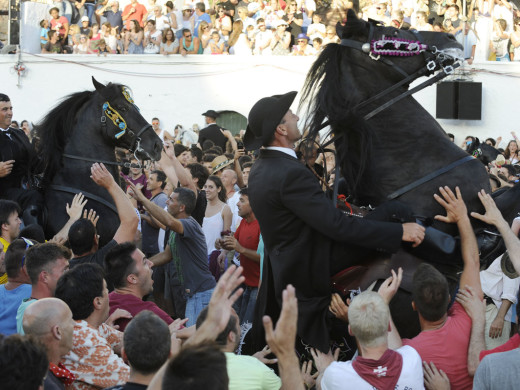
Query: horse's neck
{"type": "Point", "coordinates": [85, 142]}
{"type": "Point", "coordinates": [408, 143]}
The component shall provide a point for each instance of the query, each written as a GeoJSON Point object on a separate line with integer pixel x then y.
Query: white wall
{"type": "Point", "coordinates": [179, 90]}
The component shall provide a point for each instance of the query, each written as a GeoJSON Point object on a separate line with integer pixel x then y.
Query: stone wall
{"type": "Point", "coordinates": [4, 20]}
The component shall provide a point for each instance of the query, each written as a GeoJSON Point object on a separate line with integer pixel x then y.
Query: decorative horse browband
{"type": "Point", "coordinates": [391, 46]}
{"type": "Point", "coordinates": [116, 118]}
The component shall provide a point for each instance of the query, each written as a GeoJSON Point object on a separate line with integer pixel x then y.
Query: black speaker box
{"type": "Point", "coordinates": [459, 100]}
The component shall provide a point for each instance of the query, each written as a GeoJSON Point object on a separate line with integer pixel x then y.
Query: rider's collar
{"type": "Point", "coordinates": [288, 151]}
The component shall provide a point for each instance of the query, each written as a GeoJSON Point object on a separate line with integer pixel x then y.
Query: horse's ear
{"type": "Point", "coordinates": [477, 141]}
{"type": "Point", "coordinates": [99, 87]}
{"type": "Point", "coordinates": [352, 25]}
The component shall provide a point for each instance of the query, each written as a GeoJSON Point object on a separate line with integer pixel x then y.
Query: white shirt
{"type": "Point", "coordinates": [341, 375]}
{"type": "Point", "coordinates": [288, 151]}
{"type": "Point", "coordinates": [497, 286]}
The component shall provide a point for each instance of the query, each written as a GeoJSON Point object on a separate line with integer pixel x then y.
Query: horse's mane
{"type": "Point", "coordinates": [330, 93]}
{"type": "Point", "coordinates": [57, 126]}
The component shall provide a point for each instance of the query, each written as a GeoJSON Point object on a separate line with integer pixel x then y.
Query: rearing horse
{"type": "Point", "coordinates": [389, 146]}
{"type": "Point", "coordinates": [85, 128]}
{"type": "Point", "coordinates": [381, 153]}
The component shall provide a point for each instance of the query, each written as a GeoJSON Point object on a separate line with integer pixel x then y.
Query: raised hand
{"type": "Point", "coordinates": [101, 176]}
{"type": "Point", "coordinates": [453, 203]}
{"type": "Point", "coordinates": [76, 208]}
{"type": "Point", "coordinates": [493, 216]}
{"type": "Point", "coordinates": [390, 286]}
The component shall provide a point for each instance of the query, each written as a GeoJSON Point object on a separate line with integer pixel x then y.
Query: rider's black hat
{"type": "Point", "coordinates": [211, 113]}
{"type": "Point", "coordinates": [263, 118]}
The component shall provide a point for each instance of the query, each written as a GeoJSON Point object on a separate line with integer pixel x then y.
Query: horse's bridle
{"type": "Point", "coordinates": [376, 49]}
{"type": "Point", "coordinates": [126, 134]}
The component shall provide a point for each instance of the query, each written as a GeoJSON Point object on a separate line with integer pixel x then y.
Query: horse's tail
{"type": "Point", "coordinates": [330, 93]}
{"type": "Point", "coordinates": [55, 129]}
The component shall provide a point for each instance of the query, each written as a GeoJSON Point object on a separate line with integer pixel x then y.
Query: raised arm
{"type": "Point", "coordinates": [127, 215]}
{"type": "Point", "coordinates": [174, 170]}
{"type": "Point", "coordinates": [476, 309]}
{"type": "Point", "coordinates": [457, 213]}
{"type": "Point", "coordinates": [156, 211]}
{"type": "Point", "coordinates": [494, 217]}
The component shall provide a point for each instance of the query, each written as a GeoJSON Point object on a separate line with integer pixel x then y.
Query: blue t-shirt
{"type": "Point", "coordinates": [19, 314]}
{"type": "Point", "coordinates": [44, 33]}
{"type": "Point", "coordinates": [204, 17]}
{"type": "Point", "coordinates": [9, 302]}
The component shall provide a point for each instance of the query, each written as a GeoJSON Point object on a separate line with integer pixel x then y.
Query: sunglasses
{"type": "Point", "coordinates": [187, 36]}
{"type": "Point", "coordinates": [28, 244]}
{"type": "Point", "coordinates": [302, 40]}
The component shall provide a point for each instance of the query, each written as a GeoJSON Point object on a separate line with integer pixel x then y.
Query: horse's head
{"type": "Point", "coordinates": [482, 151]}
{"type": "Point", "coordinates": [401, 52]}
{"type": "Point", "coordinates": [123, 124]}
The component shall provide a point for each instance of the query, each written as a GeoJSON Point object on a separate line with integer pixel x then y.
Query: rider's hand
{"type": "Point", "coordinates": [413, 232]}
{"type": "Point", "coordinates": [456, 210]}
{"type": "Point", "coordinates": [101, 176]}
{"type": "Point", "coordinates": [6, 167]}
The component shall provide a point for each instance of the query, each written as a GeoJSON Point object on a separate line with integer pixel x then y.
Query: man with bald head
{"type": "Point", "coordinates": [50, 320]}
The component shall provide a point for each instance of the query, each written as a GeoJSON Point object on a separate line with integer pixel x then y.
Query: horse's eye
{"type": "Point", "coordinates": [396, 33]}
{"type": "Point", "coordinates": [122, 108]}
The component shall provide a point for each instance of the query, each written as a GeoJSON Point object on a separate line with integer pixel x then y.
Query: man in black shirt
{"type": "Point", "coordinates": [215, 133]}
{"type": "Point", "coordinates": [18, 161]}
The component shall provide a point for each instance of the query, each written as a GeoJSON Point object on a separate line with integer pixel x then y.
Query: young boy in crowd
{"type": "Point", "coordinates": [44, 32]}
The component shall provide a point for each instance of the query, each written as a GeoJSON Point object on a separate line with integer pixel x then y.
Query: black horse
{"type": "Point", "coordinates": [388, 146]}
{"type": "Point", "coordinates": [85, 128]}
{"type": "Point", "coordinates": [482, 151]}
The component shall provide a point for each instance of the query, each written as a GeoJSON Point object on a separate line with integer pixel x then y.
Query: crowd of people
{"type": "Point", "coordinates": [488, 29]}
{"type": "Point", "coordinates": [170, 300]}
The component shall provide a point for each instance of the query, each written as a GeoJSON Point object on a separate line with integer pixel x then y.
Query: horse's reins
{"type": "Point", "coordinates": [375, 49]}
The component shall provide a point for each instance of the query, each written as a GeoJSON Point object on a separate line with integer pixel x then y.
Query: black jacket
{"type": "Point", "coordinates": [302, 231]}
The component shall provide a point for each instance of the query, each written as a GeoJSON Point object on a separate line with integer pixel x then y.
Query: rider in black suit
{"type": "Point", "coordinates": [305, 236]}
{"type": "Point", "coordinates": [17, 163]}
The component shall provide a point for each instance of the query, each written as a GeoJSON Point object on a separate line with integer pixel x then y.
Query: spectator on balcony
{"type": "Point", "coordinates": [294, 19]}
{"type": "Point", "coordinates": [200, 16]}
{"type": "Point", "coordinates": [421, 22]}
{"type": "Point", "coordinates": [302, 48]}
{"type": "Point", "coordinates": [134, 11]}
{"type": "Point", "coordinates": [187, 21]}
{"type": "Point", "coordinates": [263, 39]}
{"type": "Point", "coordinates": [53, 46]}
{"type": "Point", "coordinates": [169, 44]}
{"type": "Point", "coordinates": [59, 24]}
{"type": "Point", "coordinates": [499, 42]}
{"type": "Point", "coordinates": [204, 33]}
{"type": "Point", "coordinates": [82, 46]}
{"type": "Point", "coordinates": [161, 21]}
{"type": "Point", "coordinates": [223, 22]}
{"type": "Point", "coordinates": [44, 32]}
{"type": "Point", "coordinates": [281, 39]}
{"type": "Point", "coordinates": [189, 44]}
{"type": "Point", "coordinates": [112, 14]}
{"type": "Point", "coordinates": [317, 29]}
{"type": "Point", "coordinates": [84, 29]}
{"type": "Point", "coordinates": [134, 39]}
{"type": "Point", "coordinates": [152, 38]}
{"type": "Point", "coordinates": [239, 43]}
{"type": "Point", "coordinates": [515, 41]}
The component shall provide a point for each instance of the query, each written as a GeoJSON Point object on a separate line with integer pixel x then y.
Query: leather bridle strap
{"type": "Point", "coordinates": [427, 178]}
{"type": "Point", "coordinates": [88, 195]}
{"type": "Point", "coordinates": [106, 162]}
